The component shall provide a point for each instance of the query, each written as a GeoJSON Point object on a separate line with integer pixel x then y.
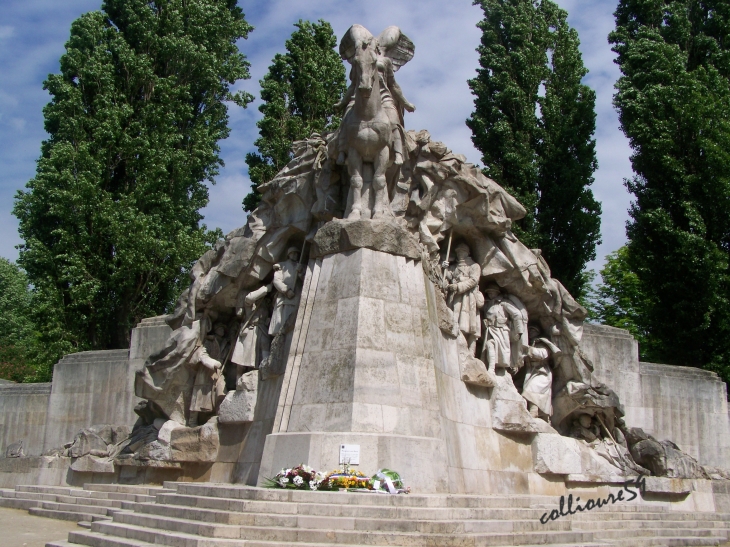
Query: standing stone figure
{"type": "Point", "coordinates": [537, 388]}
{"type": "Point", "coordinates": [208, 385]}
{"type": "Point", "coordinates": [253, 342]}
{"type": "Point", "coordinates": [463, 294]}
{"type": "Point", "coordinates": [285, 280]}
{"type": "Point", "coordinates": [505, 326]}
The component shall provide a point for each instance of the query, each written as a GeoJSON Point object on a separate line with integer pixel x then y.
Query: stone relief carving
{"type": "Point", "coordinates": [253, 342]}
{"type": "Point", "coordinates": [537, 387]}
{"type": "Point", "coordinates": [372, 184]}
{"type": "Point", "coordinates": [505, 325]}
{"type": "Point", "coordinates": [372, 127]}
{"type": "Point", "coordinates": [464, 298]}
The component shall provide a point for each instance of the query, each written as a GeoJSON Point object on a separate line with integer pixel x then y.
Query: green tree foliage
{"type": "Point", "coordinates": [674, 106]}
{"type": "Point", "coordinates": [568, 216]}
{"type": "Point", "coordinates": [619, 301]}
{"type": "Point", "coordinates": [17, 337]}
{"type": "Point", "coordinates": [513, 61]}
{"type": "Point", "coordinates": [299, 94]}
{"type": "Point", "coordinates": [539, 148]}
{"type": "Point", "coordinates": [111, 220]}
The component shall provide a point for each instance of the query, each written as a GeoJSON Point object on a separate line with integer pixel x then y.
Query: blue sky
{"type": "Point", "coordinates": [33, 34]}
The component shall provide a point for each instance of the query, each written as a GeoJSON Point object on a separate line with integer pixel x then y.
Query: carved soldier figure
{"type": "Point", "coordinates": [584, 428]}
{"type": "Point", "coordinates": [505, 327]}
{"type": "Point", "coordinates": [253, 342]}
{"type": "Point", "coordinates": [286, 275]}
{"type": "Point", "coordinates": [537, 388]}
{"type": "Point", "coordinates": [463, 294]}
{"type": "Point", "coordinates": [208, 384]}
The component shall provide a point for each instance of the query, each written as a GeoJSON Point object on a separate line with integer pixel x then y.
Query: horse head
{"type": "Point", "coordinates": [360, 49]}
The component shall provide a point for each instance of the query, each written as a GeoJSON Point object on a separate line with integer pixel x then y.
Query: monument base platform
{"type": "Point", "coordinates": [413, 457]}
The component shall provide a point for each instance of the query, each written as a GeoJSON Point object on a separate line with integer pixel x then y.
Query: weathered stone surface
{"type": "Point", "coordinates": [339, 236]}
{"type": "Point", "coordinates": [473, 370]}
{"type": "Point", "coordinates": [238, 407]}
{"type": "Point", "coordinates": [195, 444]}
{"type": "Point", "coordinates": [663, 459]}
{"type": "Point", "coordinates": [87, 440]}
{"type": "Point", "coordinates": [25, 406]}
{"type": "Point", "coordinates": [509, 409]}
{"type": "Point", "coordinates": [165, 434]}
{"type": "Point", "coordinates": [663, 485]}
{"type": "Point", "coordinates": [553, 453]}
{"type": "Point", "coordinates": [93, 464]}
{"type": "Point", "coordinates": [698, 421]}
{"type": "Point", "coordinates": [90, 387]}
{"type": "Point", "coordinates": [15, 450]}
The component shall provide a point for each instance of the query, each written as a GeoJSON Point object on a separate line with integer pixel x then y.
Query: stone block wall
{"type": "Point", "coordinates": [23, 410]}
{"type": "Point", "coordinates": [361, 372]}
{"type": "Point", "coordinates": [688, 406]}
{"type": "Point", "coordinates": [89, 388]}
{"type": "Point", "coordinates": [97, 387]}
{"type": "Point", "coordinates": [683, 404]}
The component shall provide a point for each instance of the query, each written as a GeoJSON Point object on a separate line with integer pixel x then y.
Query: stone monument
{"type": "Point", "coordinates": [379, 298]}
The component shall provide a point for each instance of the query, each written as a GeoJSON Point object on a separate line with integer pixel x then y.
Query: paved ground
{"type": "Point", "coordinates": [19, 529]}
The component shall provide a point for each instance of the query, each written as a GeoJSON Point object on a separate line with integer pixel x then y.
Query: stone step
{"type": "Point", "coordinates": [637, 524]}
{"type": "Point", "coordinates": [326, 534]}
{"type": "Point", "coordinates": [267, 494]}
{"type": "Point", "coordinates": [660, 532]}
{"type": "Point", "coordinates": [347, 510]}
{"type": "Point", "coordinates": [667, 542]}
{"type": "Point", "coordinates": [93, 539]}
{"type": "Point", "coordinates": [128, 489]}
{"type": "Point", "coordinates": [637, 516]}
{"type": "Point", "coordinates": [426, 526]}
{"type": "Point", "coordinates": [419, 513]}
{"type": "Point", "coordinates": [73, 516]}
{"type": "Point", "coordinates": [79, 507]}
{"type": "Point", "coordinates": [88, 500]}
{"type": "Point", "coordinates": [16, 503]}
{"type": "Point", "coordinates": [55, 490]}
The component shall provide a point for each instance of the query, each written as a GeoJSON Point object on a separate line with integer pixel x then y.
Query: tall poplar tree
{"type": "Point", "coordinates": [534, 123]}
{"type": "Point", "coordinates": [568, 216]}
{"type": "Point", "coordinates": [111, 221]}
{"type": "Point", "coordinates": [299, 94]}
{"type": "Point", "coordinates": [673, 101]}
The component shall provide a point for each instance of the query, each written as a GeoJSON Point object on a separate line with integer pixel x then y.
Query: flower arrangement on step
{"type": "Point", "coordinates": [346, 478]}
{"type": "Point", "coordinates": [387, 480]}
{"type": "Point", "coordinates": [301, 477]}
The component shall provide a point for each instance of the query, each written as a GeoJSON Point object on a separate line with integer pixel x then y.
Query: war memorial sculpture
{"type": "Point", "coordinates": [378, 298]}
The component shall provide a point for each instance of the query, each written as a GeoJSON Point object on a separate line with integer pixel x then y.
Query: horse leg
{"type": "Point", "coordinates": [354, 198]}
{"type": "Point", "coordinates": [342, 139]}
{"type": "Point", "coordinates": [381, 207]}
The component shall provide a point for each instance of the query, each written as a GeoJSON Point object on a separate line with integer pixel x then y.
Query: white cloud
{"type": "Point", "coordinates": [435, 81]}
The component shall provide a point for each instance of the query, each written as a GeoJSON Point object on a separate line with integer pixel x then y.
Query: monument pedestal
{"type": "Point", "coordinates": [361, 371]}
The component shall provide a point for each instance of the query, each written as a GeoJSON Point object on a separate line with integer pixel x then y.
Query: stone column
{"type": "Point", "coordinates": [361, 371]}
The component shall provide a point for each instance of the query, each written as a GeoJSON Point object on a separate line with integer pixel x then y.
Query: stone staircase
{"type": "Point", "coordinates": [207, 515]}
{"type": "Point", "coordinates": [85, 505]}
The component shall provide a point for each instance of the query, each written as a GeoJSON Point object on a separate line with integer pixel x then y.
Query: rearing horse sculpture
{"type": "Point", "coordinates": [372, 129]}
